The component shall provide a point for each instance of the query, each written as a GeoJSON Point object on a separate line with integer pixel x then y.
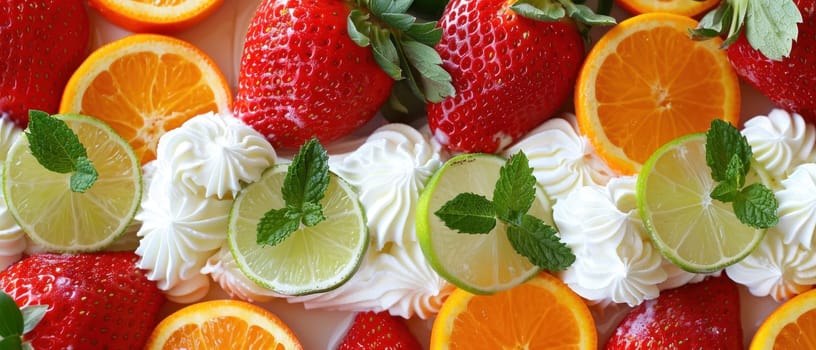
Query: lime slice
{"type": "Point", "coordinates": [696, 232]}
{"type": "Point", "coordinates": [62, 220]}
{"type": "Point", "coordinates": [313, 259]}
{"type": "Point", "coordinates": [478, 263]}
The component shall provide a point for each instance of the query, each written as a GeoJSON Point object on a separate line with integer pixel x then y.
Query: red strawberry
{"type": "Point", "coordinates": [791, 81]}
{"type": "Point", "coordinates": [95, 301]}
{"type": "Point", "coordinates": [703, 315]}
{"type": "Point", "coordinates": [43, 42]}
{"type": "Point", "coordinates": [304, 74]}
{"type": "Point", "coordinates": [378, 331]}
{"type": "Point", "coordinates": [510, 73]}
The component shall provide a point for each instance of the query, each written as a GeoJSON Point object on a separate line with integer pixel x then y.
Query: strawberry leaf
{"type": "Point", "coordinates": [770, 26]}
{"type": "Point", "coordinates": [11, 319]}
{"type": "Point", "coordinates": [425, 33]}
{"type": "Point", "coordinates": [400, 21]}
{"type": "Point", "coordinates": [358, 27]}
{"type": "Point", "coordinates": [12, 342]}
{"type": "Point", "coordinates": [435, 80]}
{"type": "Point", "coordinates": [385, 53]}
{"type": "Point", "coordinates": [539, 10]}
{"type": "Point", "coordinates": [380, 7]}
{"type": "Point", "coordinates": [32, 315]}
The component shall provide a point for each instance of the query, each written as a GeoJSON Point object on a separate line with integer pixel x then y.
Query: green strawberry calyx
{"type": "Point", "coordinates": [15, 322]}
{"type": "Point", "coordinates": [770, 26]}
{"type": "Point", "coordinates": [556, 10]}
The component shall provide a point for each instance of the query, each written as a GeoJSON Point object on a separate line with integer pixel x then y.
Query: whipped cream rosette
{"type": "Point", "coordinates": [562, 159]}
{"type": "Point", "coordinates": [776, 269]}
{"type": "Point", "coordinates": [797, 206]}
{"type": "Point", "coordinates": [12, 238]}
{"type": "Point", "coordinates": [614, 262]}
{"type": "Point", "coordinates": [226, 273]}
{"type": "Point", "coordinates": [780, 141]}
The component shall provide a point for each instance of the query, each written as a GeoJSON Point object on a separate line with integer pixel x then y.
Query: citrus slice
{"type": "Point", "coordinates": [791, 326]}
{"type": "Point", "coordinates": [62, 220]}
{"type": "Point", "coordinates": [478, 263]}
{"type": "Point", "coordinates": [696, 232]}
{"type": "Point", "coordinates": [542, 313]}
{"type": "Point", "coordinates": [222, 324]}
{"type": "Point", "coordinates": [689, 8]}
{"type": "Point", "coordinates": [144, 85]}
{"type": "Point", "coordinates": [312, 259]}
{"type": "Point", "coordinates": [645, 83]}
{"type": "Point", "coordinates": [155, 15]}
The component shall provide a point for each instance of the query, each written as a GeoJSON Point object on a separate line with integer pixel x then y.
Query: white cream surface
{"type": "Point", "coordinates": [12, 238]}
{"type": "Point", "coordinates": [780, 141]}
{"type": "Point", "coordinates": [797, 206]}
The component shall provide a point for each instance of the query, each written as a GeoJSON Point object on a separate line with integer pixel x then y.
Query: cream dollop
{"type": "Point", "coordinates": [780, 141]}
{"type": "Point", "coordinates": [389, 172]}
{"type": "Point", "coordinates": [797, 206]}
{"type": "Point", "coordinates": [12, 238]}
{"type": "Point", "coordinates": [676, 277]}
{"type": "Point", "coordinates": [614, 260]}
{"type": "Point", "coordinates": [224, 271]}
{"type": "Point", "coordinates": [775, 268]}
{"type": "Point", "coordinates": [214, 154]}
{"type": "Point", "coordinates": [398, 280]}
{"type": "Point", "coordinates": [563, 160]}
{"type": "Point", "coordinates": [179, 232]}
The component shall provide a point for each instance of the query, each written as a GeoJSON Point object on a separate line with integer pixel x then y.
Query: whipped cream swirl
{"type": "Point", "coordinates": [781, 141]}
{"type": "Point", "coordinates": [225, 272]}
{"type": "Point", "coordinates": [562, 159]}
{"type": "Point", "coordinates": [12, 238]}
{"type": "Point", "coordinates": [776, 269]}
{"type": "Point", "coordinates": [214, 154]}
{"type": "Point", "coordinates": [389, 172]}
{"type": "Point", "coordinates": [614, 260]}
{"type": "Point", "coordinates": [797, 206]}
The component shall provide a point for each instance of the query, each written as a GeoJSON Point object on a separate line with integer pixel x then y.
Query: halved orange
{"type": "Point", "coordinates": [689, 8]}
{"type": "Point", "coordinates": [222, 324]}
{"type": "Point", "coordinates": [791, 326]}
{"type": "Point", "coordinates": [144, 85]}
{"type": "Point", "coordinates": [645, 83]}
{"type": "Point", "coordinates": [155, 15]}
{"type": "Point", "coordinates": [542, 313]}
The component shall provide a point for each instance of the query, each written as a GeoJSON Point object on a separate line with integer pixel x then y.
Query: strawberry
{"type": "Point", "coordinates": [703, 315]}
{"type": "Point", "coordinates": [772, 46]}
{"type": "Point", "coordinates": [94, 301]}
{"type": "Point", "coordinates": [513, 66]}
{"type": "Point", "coordinates": [43, 41]}
{"type": "Point", "coordinates": [304, 74]}
{"type": "Point", "coordinates": [378, 331]}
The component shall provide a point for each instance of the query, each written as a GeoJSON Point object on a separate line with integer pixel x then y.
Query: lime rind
{"type": "Point", "coordinates": [60, 220]}
{"type": "Point", "coordinates": [692, 230]}
{"type": "Point", "coordinates": [311, 260]}
{"type": "Point", "coordinates": [477, 263]}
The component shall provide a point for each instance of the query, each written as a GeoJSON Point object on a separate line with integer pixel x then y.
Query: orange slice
{"type": "Point", "coordinates": [645, 83]}
{"type": "Point", "coordinates": [791, 326]}
{"type": "Point", "coordinates": [155, 15]}
{"type": "Point", "coordinates": [690, 8]}
{"type": "Point", "coordinates": [542, 313]}
{"type": "Point", "coordinates": [144, 85]}
{"type": "Point", "coordinates": [222, 324]}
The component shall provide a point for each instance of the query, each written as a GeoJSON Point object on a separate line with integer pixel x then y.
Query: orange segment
{"type": "Point", "coordinates": [645, 82]}
{"type": "Point", "coordinates": [144, 85]}
{"type": "Point", "coordinates": [222, 324]}
{"type": "Point", "coordinates": [155, 15]}
{"type": "Point", "coordinates": [791, 326]}
{"type": "Point", "coordinates": [542, 313]}
{"type": "Point", "coordinates": [690, 8]}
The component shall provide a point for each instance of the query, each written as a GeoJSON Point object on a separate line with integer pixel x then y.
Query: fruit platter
{"type": "Point", "coordinates": [396, 174]}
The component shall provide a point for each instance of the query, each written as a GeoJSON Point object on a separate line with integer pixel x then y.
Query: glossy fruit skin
{"type": "Point", "coordinates": [704, 315]}
{"type": "Point", "coordinates": [96, 301]}
{"type": "Point", "coordinates": [378, 331]}
{"type": "Point", "coordinates": [302, 76]}
{"type": "Point", "coordinates": [43, 42]}
{"type": "Point", "coordinates": [791, 82]}
{"type": "Point", "coordinates": [510, 74]}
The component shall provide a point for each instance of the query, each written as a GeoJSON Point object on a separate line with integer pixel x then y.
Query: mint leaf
{"type": "Point", "coordinates": [468, 213]}
{"type": "Point", "coordinates": [312, 214]}
{"type": "Point", "coordinates": [276, 225]}
{"type": "Point", "coordinates": [539, 243]}
{"type": "Point", "coordinates": [32, 315]}
{"type": "Point", "coordinates": [725, 192]}
{"type": "Point", "coordinates": [723, 143]}
{"type": "Point", "coordinates": [736, 170]}
{"type": "Point", "coordinates": [770, 26]}
{"type": "Point", "coordinates": [308, 176]}
{"type": "Point", "coordinates": [85, 175]}
{"type": "Point", "coordinates": [11, 319]}
{"type": "Point", "coordinates": [515, 190]}
{"type": "Point", "coordinates": [53, 143]}
{"type": "Point", "coordinates": [756, 206]}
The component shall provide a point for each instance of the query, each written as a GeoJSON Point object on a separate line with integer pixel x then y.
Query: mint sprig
{"type": "Point", "coordinates": [770, 26]}
{"type": "Point", "coordinates": [728, 155]}
{"type": "Point", "coordinates": [57, 148]}
{"type": "Point", "coordinates": [304, 186]}
{"type": "Point", "coordinates": [513, 196]}
{"type": "Point", "coordinates": [14, 322]}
